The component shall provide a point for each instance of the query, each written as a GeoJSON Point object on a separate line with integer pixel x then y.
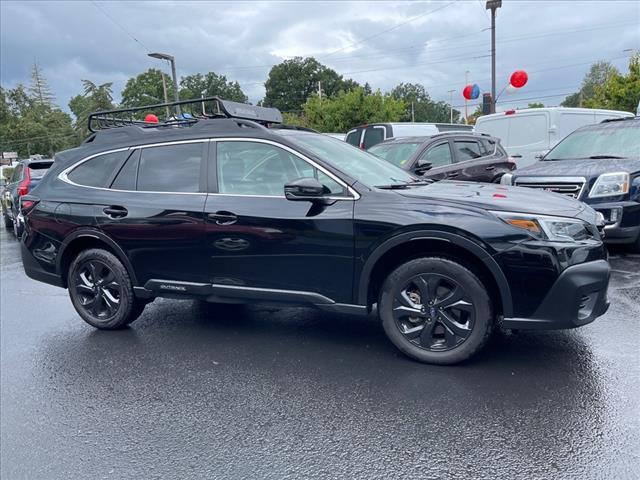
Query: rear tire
{"type": "Point", "coordinates": [435, 311]}
{"type": "Point", "coordinates": [101, 290]}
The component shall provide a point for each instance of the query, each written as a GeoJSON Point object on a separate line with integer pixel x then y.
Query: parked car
{"type": "Point", "coordinates": [530, 133]}
{"type": "Point", "coordinates": [451, 155]}
{"type": "Point", "coordinates": [26, 175]}
{"type": "Point", "coordinates": [366, 136]}
{"type": "Point", "coordinates": [600, 165]}
{"type": "Point", "coordinates": [226, 210]}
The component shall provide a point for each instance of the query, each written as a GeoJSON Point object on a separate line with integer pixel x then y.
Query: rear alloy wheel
{"type": "Point", "coordinates": [435, 311]}
{"type": "Point", "coordinates": [101, 290]}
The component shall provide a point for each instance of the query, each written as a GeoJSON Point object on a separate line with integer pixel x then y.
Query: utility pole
{"type": "Point", "coordinates": [172, 61]}
{"type": "Point", "coordinates": [413, 114]}
{"type": "Point", "coordinates": [451, 106]}
{"type": "Point", "coordinates": [320, 90]}
{"type": "Point", "coordinates": [493, 5]}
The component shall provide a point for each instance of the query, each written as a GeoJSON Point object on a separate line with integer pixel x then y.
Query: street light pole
{"type": "Point", "coordinates": [493, 5]}
{"type": "Point", "coordinates": [172, 61]}
{"type": "Point", "coordinates": [451, 106]}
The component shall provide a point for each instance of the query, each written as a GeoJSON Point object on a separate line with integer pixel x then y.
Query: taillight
{"type": "Point", "coordinates": [510, 112]}
{"type": "Point", "coordinates": [23, 186]}
{"type": "Point", "coordinates": [28, 203]}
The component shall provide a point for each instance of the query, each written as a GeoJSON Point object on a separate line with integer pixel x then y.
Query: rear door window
{"type": "Point", "coordinates": [171, 168]}
{"type": "Point", "coordinates": [467, 150]}
{"type": "Point", "coordinates": [98, 171]}
{"type": "Point", "coordinates": [373, 136]}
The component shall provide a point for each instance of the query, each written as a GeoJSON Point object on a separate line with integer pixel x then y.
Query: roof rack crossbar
{"type": "Point", "coordinates": [217, 108]}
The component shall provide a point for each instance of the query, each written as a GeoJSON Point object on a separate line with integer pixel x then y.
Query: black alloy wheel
{"type": "Point", "coordinates": [433, 312]}
{"type": "Point", "coordinates": [101, 290]}
{"type": "Point", "coordinates": [97, 289]}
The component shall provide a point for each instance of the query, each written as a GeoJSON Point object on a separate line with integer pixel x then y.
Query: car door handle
{"type": "Point", "coordinates": [492, 167]}
{"type": "Point", "coordinates": [115, 211]}
{"type": "Point", "coordinates": [223, 218]}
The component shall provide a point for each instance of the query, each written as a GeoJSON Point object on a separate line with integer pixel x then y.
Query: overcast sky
{"type": "Point", "coordinates": [383, 43]}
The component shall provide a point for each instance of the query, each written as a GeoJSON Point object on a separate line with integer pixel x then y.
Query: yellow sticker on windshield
{"type": "Point", "coordinates": [402, 162]}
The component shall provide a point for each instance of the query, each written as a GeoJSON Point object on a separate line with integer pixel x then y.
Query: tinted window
{"type": "Point", "coordinates": [38, 170]}
{"type": "Point", "coordinates": [353, 138]}
{"type": "Point", "coordinates": [171, 168]}
{"type": "Point", "coordinates": [467, 149]}
{"type": "Point", "coordinates": [98, 171]}
{"type": "Point", "coordinates": [252, 168]}
{"type": "Point", "coordinates": [439, 156]}
{"type": "Point", "coordinates": [126, 178]}
{"type": "Point", "coordinates": [373, 136]}
{"type": "Point", "coordinates": [396, 153]}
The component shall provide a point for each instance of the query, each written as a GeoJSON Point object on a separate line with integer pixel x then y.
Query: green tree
{"type": "Point", "coordinates": [594, 78]}
{"type": "Point", "coordinates": [211, 85]}
{"type": "Point", "coordinates": [94, 98]}
{"type": "Point", "coordinates": [618, 91]}
{"type": "Point", "coordinates": [424, 109]}
{"type": "Point", "coordinates": [536, 105]}
{"type": "Point", "coordinates": [39, 90]}
{"type": "Point", "coordinates": [291, 82]}
{"type": "Point", "coordinates": [146, 89]}
{"type": "Point", "coordinates": [350, 108]}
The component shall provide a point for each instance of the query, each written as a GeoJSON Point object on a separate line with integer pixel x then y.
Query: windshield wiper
{"type": "Point", "coordinates": [399, 186]}
{"type": "Point", "coordinates": [600, 157]}
{"type": "Point", "coordinates": [592, 157]}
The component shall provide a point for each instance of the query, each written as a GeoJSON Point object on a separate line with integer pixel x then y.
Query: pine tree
{"type": "Point", "coordinates": [39, 89]}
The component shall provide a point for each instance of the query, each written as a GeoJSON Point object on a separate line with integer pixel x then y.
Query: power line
{"type": "Point", "coordinates": [391, 29]}
{"type": "Point", "coordinates": [119, 25]}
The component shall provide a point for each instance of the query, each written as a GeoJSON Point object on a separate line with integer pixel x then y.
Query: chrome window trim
{"type": "Point", "coordinates": [354, 193]}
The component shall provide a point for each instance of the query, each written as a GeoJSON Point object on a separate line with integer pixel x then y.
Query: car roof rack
{"type": "Point", "coordinates": [200, 109]}
{"type": "Point", "coordinates": [620, 119]}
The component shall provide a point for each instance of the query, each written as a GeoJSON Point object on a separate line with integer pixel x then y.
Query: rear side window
{"type": "Point", "coordinates": [439, 155]}
{"type": "Point", "coordinates": [128, 175]}
{"type": "Point", "coordinates": [373, 136]}
{"type": "Point", "coordinates": [353, 138]}
{"type": "Point", "coordinates": [171, 168]}
{"type": "Point", "coordinates": [98, 171]}
{"type": "Point", "coordinates": [467, 149]}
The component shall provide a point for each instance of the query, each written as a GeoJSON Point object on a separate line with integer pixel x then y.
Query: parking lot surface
{"type": "Point", "coordinates": [192, 391]}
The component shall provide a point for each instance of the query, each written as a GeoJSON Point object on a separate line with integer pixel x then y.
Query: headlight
{"type": "Point", "coordinates": [506, 179]}
{"type": "Point", "coordinates": [610, 185]}
{"type": "Point", "coordinates": [557, 229]}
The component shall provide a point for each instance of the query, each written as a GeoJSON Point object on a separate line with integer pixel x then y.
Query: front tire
{"type": "Point", "coordinates": [435, 311]}
{"type": "Point", "coordinates": [101, 290]}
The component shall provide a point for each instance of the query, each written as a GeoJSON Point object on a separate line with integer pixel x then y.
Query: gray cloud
{"type": "Point", "coordinates": [554, 40]}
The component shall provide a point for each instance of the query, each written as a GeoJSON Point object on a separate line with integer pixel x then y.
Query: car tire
{"type": "Point", "coordinates": [101, 291]}
{"type": "Point", "coordinates": [453, 324]}
{"type": "Point", "coordinates": [8, 223]}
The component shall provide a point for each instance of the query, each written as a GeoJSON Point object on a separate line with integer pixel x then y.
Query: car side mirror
{"type": "Point", "coordinates": [304, 189]}
{"type": "Point", "coordinates": [422, 166]}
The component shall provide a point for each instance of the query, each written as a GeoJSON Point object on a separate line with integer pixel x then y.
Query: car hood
{"type": "Point", "coordinates": [583, 168]}
{"type": "Point", "coordinates": [489, 196]}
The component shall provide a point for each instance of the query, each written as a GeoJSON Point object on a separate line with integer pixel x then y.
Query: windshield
{"type": "Point", "coordinates": [364, 167]}
{"type": "Point", "coordinates": [606, 141]}
{"type": "Point", "coordinates": [396, 153]}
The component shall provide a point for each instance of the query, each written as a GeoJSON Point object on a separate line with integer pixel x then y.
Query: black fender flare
{"type": "Point", "coordinates": [94, 233]}
{"type": "Point", "coordinates": [458, 240]}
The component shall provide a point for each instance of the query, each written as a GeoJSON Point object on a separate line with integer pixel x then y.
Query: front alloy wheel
{"type": "Point", "coordinates": [435, 310]}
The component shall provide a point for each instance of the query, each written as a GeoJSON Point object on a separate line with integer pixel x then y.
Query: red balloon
{"type": "Point", "coordinates": [151, 118]}
{"type": "Point", "coordinates": [519, 78]}
{"type": "Point", "coordinates": [466, 93]}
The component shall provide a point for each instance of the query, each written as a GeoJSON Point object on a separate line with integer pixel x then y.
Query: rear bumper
{"type": "Point", "coordinates": [577, 298]}
{"type": "Point", "coordinates": [34, 270]}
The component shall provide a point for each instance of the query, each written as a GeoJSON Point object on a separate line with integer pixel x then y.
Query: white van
{"type": "Point", "coordinates": [366, 136]}
{"type": "Point", "coordinates": [530, 133]}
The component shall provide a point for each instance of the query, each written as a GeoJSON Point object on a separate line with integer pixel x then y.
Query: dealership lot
{"type": "Point", "coordinates": [191, 392]}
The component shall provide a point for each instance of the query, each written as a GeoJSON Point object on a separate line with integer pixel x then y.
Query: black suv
{"type": "Point", "coordinates": [224, 209]}
{"type": "Point", "coordinates": [600, 165]}
{"type": "Point", "coordinates": [474, 157]}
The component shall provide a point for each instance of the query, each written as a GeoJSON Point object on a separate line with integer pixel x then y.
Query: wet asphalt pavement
{"type": "Point", "coordinates": [248, 392]}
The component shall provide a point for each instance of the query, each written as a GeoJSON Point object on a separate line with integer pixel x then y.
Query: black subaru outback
{"type": "Point", "coordinates": [233, 207]}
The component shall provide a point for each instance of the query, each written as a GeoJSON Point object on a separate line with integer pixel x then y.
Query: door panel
{"type": "Point", "coordinates": [257, 238]}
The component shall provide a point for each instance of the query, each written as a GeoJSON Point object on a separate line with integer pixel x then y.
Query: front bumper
{"type": "Point", "coordinates": [622, 221]}
{"type": "Point", "coordinates": [577, 297]}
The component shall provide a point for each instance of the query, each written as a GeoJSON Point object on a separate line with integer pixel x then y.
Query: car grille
{"type": "Point", "coordinates": [570, 187]}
